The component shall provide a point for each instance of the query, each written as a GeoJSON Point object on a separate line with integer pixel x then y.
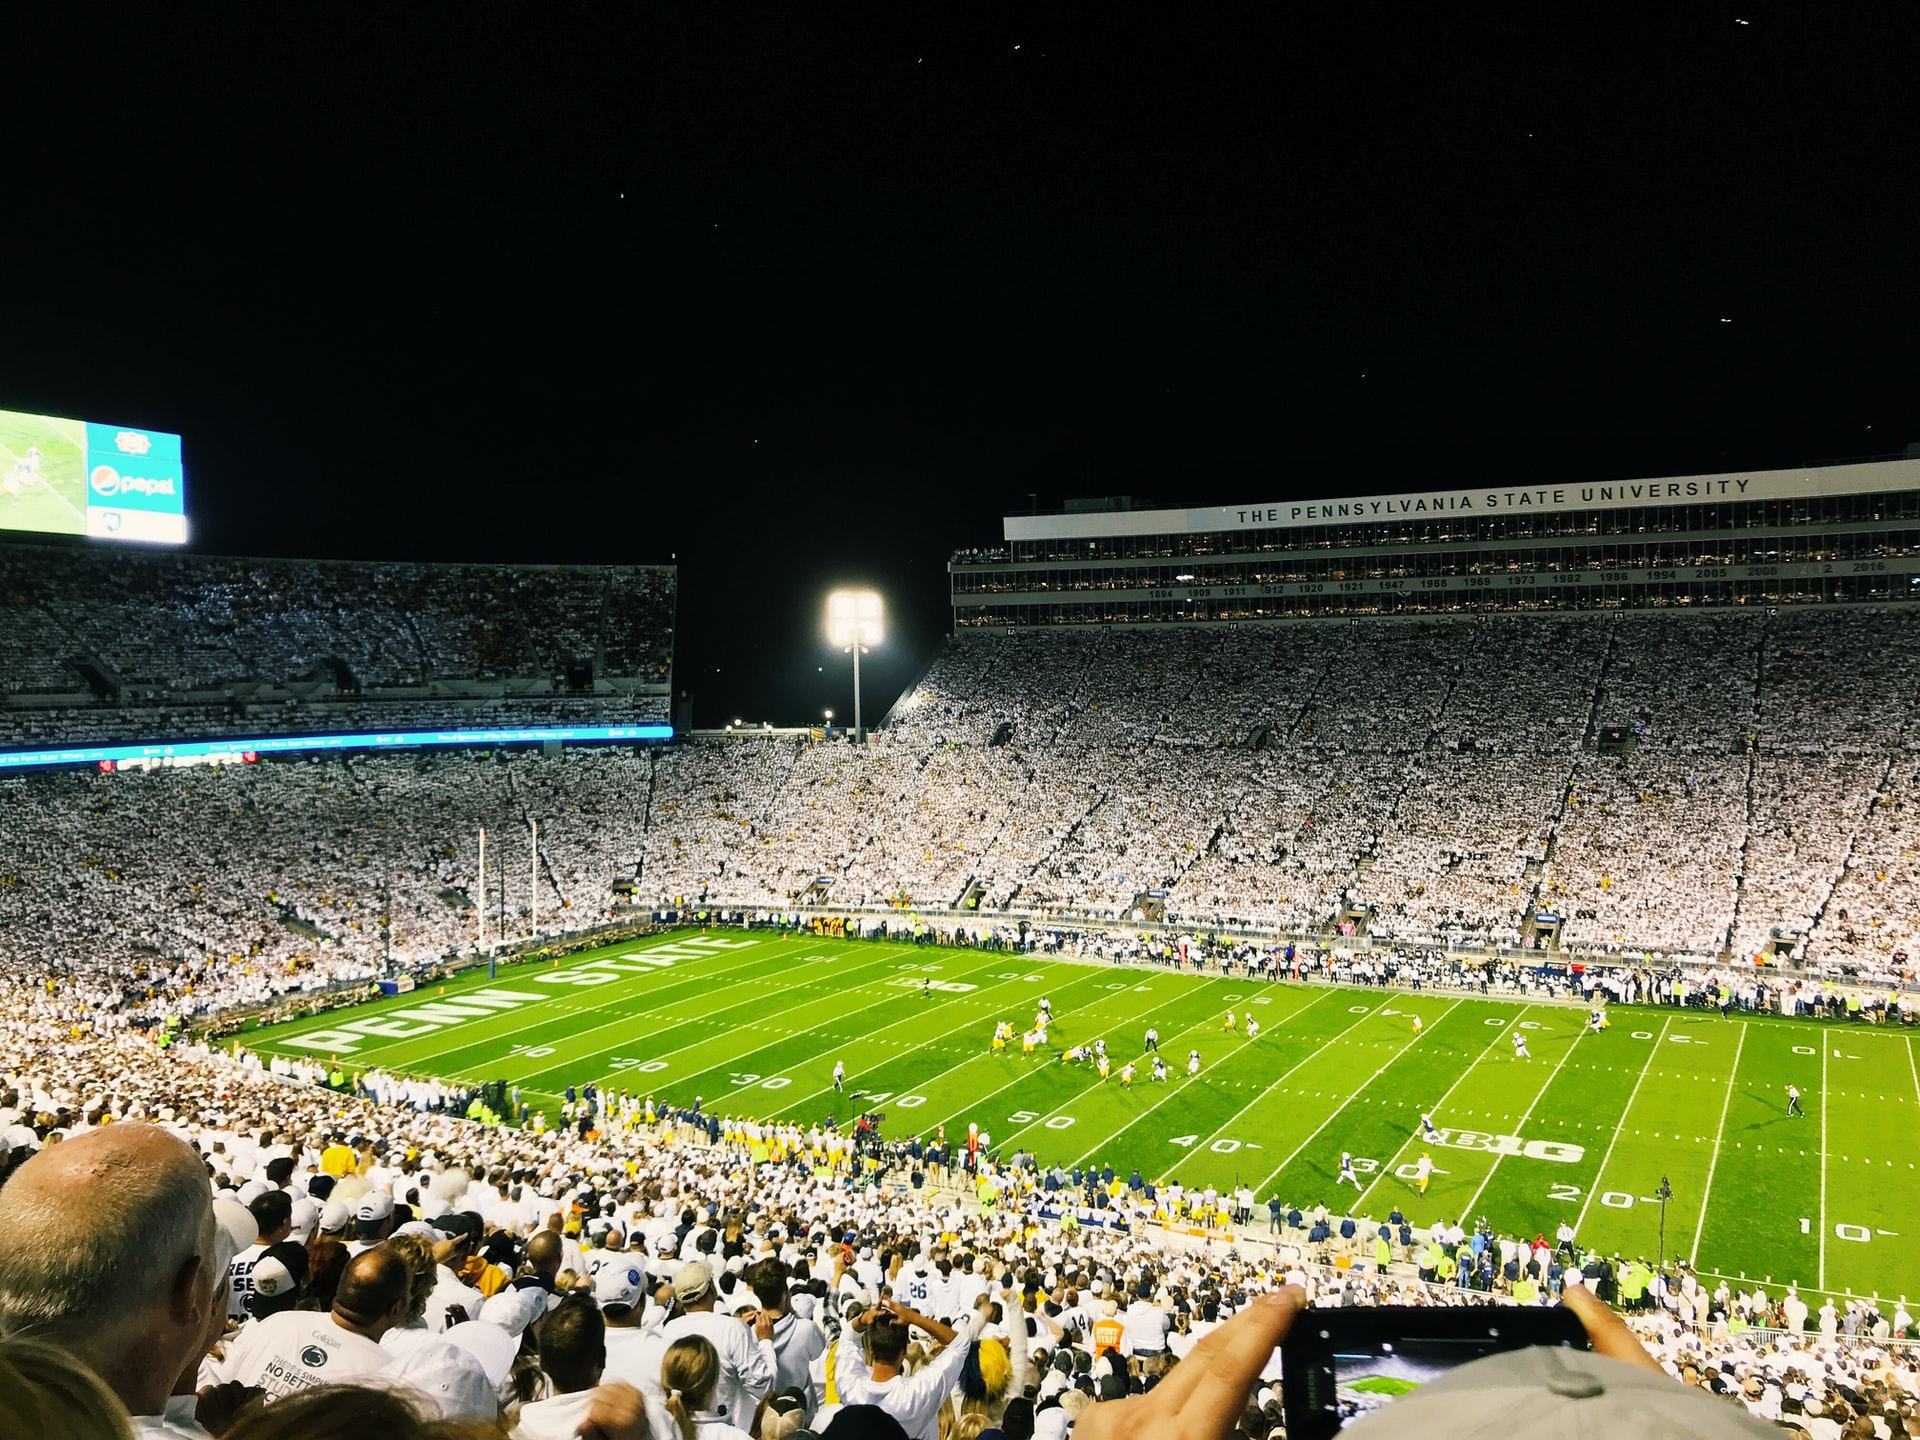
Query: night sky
{"type": "Point", "coordinates": [800, 295]}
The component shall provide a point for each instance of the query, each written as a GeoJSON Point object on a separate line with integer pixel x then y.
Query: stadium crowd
{"type": "Point", "coordinates": [179, 624]}
{"type": "Point", "coordinates": [1388, 793]}
{"type": "Point", "coordinates": [267, 1240]}
{"type": "Point", "coordinates": [1379, 788]}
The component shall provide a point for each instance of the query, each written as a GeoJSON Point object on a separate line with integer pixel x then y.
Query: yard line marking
{"type": "Point", "coordinates": [1600, 1174]}
{"type": "Point", "coordinates": [696, 980]}
{"type": "Point", "coordinates": [1434, 1109]}
{"type": "Point", "coordinates": [1700, 1225]}
{"type": "Point", "coordinates": [628, 1017]}
{"type": "Point", "coordinates": [1913, 1069]}
{"type": "Point", "coordinates": [1174, 1090]}
{"type": "Point", "coordinates": [1826, 1049]}
{"type": "Point", "coordinates": [830, 1020]}
{"type": "Point", "coordinates": [1474, 1199]}
{"type": "Point", "coordinates": [972, 1055]}
{"type": "Point", "coordinates": [687, 975]}
{"type": "Point", "coordinates": [1131, 1018]}
{"type": "Point", "coordinates": [563, 1062]}
{"type": "Point", "coordinates": [1415, 1040]}
{"type": "Point", "coordinates": [1270, 1089]}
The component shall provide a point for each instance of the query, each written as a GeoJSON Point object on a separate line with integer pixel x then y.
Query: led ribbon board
{"type": "Point", "coordinates": [357, 740]}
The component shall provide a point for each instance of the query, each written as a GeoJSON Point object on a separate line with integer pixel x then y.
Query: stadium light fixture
{"type": "Point", "coordinates": [856, 622]}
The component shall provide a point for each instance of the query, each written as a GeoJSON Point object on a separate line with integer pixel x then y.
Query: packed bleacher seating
{"type": "Point", "coordinates": [1402, 800]}
{"type": "Point", "coordinates": [109, 646]}
{"type": "Point", "coordinates": [1346, 785]}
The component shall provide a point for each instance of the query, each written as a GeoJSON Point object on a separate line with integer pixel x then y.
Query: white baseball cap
{"type": "Point", "coordinates": [234, 1218]}
{"type": "Point", "coordinates": [514, 1310]}
{"type": "Point", "coordinates": [621, 1284]}
{"type": "Point", "coordinates": [306, 1215]}
{"type": "Point", "coordinates": [452, 1378]}
{"type": "Point", "coordinates": [1561, 1393]}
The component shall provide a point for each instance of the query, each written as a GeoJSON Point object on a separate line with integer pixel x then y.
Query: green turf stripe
{"type": "Point", "coordinates": [1766, 1176]}
{"type": "Point", "coordinates": [1667, 1131]}
{"type": "Point", "coordinates": [1396, 1189]}
{"type": "Point", "coordinates": [1499, 1099]}
{"type": "Point", "coordinates": [538, 1021]}
{"type": "Point", "coordinates": [1581, 1105]}
{"type": "Point", "coordinates": [1873, 1143]}
{"type": "Point", "coordinates": [1215, 1132]}
{"type": "Point", "coordinates": [595, 1051]}
{"type": "Point", "coordinates": [907, 1074]}
{"type": "Point", "coordinates": [622, 1004]}
{"type": "Point", "coordinates": [900, 1031]}
{"type": "Point", "coordinates": [1372, 1117]}
{"type": "Point", "coordinates": [1016, 1117]}
{"type": "Point", "coordinates": [473, 978]}
{"type": "Point", "coordinates": [1288, 1110]}
{"type": "Point", "coordinates": [717, 1035]}
{"type": "Point", "coordinates": [1121, 1019]}
{"type": "Point", "coordinates": [563, 1019]}
{"type": "Point", "coordinates": [808, 1039]}
{"type": "Point", "coordinates": [1109, 1116]}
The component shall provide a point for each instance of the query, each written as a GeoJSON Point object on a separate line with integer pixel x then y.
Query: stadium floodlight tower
{"type": "Point", "coordinates": [856, 622]}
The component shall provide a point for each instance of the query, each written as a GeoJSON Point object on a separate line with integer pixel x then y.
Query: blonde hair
{"type": "Point", "coordinates": [422, 1273]}
{"type": "Point", "coordinates": [688, 1372]}
{"type": "Point", "coordinates": [970, 1425]}
{"type": "Point", "coordinates": [48, 1392]}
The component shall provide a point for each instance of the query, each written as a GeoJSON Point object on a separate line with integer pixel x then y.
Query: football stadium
{"type": "Point", "coordinates": [774, 728]}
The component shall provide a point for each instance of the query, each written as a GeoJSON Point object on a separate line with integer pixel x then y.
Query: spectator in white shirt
{"type": "Point", "coordinates": [273, 1213]}
{"type": "Point", "coordinates": [747, 1358]}
{"type": "Point", "coordinates": [298, 1349]}
{"type": "Point", "coordinates": [1146, 1331]}
{"type": "Point", "coordinates": [914, 1400]}
{"type": "Point", "coordinates": [796, 1342]}
{"type": "Point", "coordinates": [573, 1353]}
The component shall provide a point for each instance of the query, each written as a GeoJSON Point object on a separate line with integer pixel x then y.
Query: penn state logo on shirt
{"type": "Point", "coordinates": [313, 1357]}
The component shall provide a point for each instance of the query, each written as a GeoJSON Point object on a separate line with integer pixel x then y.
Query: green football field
{"type": "Point", "coordinates": [1584, 1130]}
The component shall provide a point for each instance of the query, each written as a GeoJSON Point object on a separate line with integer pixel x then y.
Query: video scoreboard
{"type": "Point", "coordinates": [79, 477]}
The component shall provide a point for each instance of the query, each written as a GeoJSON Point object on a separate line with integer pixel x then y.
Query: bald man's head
{"type": "Point", "coordinates": [109, 1237]}
{"type": "Point", "coordinates": [374, 1291]}
{"type": "Point", "coordinates": [544, 1252]}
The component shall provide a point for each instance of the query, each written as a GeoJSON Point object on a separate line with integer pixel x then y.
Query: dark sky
{"type": "Point", "coordinates": [808, 294]}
